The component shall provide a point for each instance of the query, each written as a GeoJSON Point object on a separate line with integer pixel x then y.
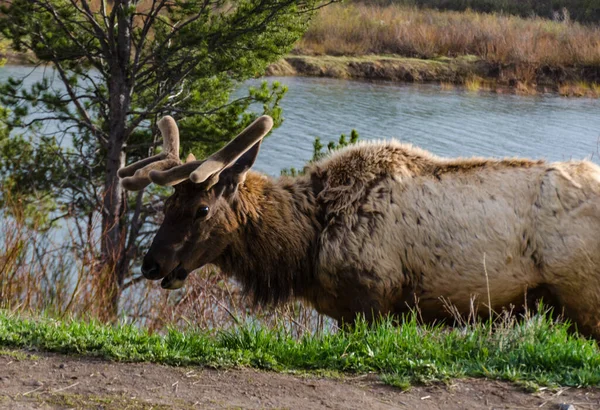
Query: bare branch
{"type": "Point", "coordinates": [169, 38]}
{"type": "Point", "coordinates": [158, 100]}
{"type": "Point", "coordinates": [89, 14]}
{"type": "Point", "coordinates": [61, 23]}
{"type": "Point", "coordinates": [148, 23]}
{"type": "Point", "coordinates": [82, 111]}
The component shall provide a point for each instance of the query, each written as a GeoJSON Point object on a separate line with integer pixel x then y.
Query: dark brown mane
{"type": "Point", "coordinates": [274, 255]}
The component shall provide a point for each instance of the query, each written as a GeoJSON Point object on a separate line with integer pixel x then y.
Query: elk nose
{"type": "Point", "coordinates": [151, 269]}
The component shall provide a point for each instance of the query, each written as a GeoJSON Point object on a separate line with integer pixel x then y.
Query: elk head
{"type": "Point", "coordinates": [199, 220]}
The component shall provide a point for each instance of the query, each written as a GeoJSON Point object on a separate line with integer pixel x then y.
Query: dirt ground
{"type": "Point", "coordinates": [52, 381]}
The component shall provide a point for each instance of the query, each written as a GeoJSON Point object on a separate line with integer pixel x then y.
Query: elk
{"type": "Point", "coordinates": [379, 226]}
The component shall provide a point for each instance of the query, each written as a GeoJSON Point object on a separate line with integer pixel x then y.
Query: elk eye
{"type": "Point", "coordinates": [202, 212]}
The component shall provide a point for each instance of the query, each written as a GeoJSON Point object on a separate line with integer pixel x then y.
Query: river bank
{"type": "Point", "coordinates": [497, 52]}
{"type": "Point", "coordinates": [469, 71]}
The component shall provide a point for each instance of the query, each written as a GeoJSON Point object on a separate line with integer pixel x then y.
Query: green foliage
{"type": "Point", "coordinates": [193, 70]}
{"type": "Point", "coordinates": [333, 146]}
{"type": "Point", "coordinates": [30, 170]}
{"type": "Point", "coordinates": [578, 10]}
{"type": "Point", "coordinates": [318, 152]}
{"type": "Point", "coordinates": [26, 171]}
{"type": "Point", "coordinates": [111, 74]}
{"type": "Point", "coordinates": [531, 351]}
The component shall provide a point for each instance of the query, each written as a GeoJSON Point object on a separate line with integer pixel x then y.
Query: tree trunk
{"type": "Point", "coordinates": [113, 239]}
{"type": "Point", "coordinates": [112, 235]}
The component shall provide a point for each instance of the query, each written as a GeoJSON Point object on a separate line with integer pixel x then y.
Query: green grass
{"type": "Point", "coordinates": [18, 355]}
{"type": "Point", "coordinates": [533, 352]}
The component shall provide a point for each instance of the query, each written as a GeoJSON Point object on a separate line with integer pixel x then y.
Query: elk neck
{"type": "Point", "coordinates": [274, 254]}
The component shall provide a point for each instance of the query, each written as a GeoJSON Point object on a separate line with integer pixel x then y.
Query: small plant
{"type": "Point", "coordinates": [318, 152]}
{"type": "Point", "coordinates": [342, 142]}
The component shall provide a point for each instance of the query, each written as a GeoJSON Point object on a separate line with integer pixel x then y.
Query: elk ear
{"type": "Point", "coordinates": [237, 172]}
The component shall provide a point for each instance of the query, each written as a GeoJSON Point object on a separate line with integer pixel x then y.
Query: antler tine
{"type": "Point", "coordinates": [201, 171]}
{"type": "Point", "coordinates": [174, 175]}
{"type": "Point", "coordinates": [136, 176]}
{"type": "Point", "coordinates": [212, 167]}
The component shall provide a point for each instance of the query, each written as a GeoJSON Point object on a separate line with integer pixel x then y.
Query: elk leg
{"type": "Point", "coordinates": [581, 305]}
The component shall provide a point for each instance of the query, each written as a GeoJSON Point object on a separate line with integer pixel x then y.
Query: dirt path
{"type": "Point", "coordinates": [50, 381]}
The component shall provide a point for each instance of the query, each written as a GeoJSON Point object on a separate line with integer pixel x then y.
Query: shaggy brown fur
{"type": "Point", "coordinates": [379, 225]}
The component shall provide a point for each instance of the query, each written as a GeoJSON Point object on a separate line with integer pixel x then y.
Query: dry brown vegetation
{"type": "Point", "coordinates": [43, 271]}
{"type": "Point", "coordinates": [580, 89]}
{"type": "Point", "coordinates": [359, 29]}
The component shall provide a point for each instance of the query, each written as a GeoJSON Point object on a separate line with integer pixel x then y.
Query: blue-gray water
{"type": "Point", "coordinates": [446, 122]}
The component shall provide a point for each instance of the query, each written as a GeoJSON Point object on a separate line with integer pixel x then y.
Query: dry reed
{"type": "Point", "coordinates": [580, 89]}
{"type": "Point", "coordinates": [44, 270]}
{"type": "Point", "coordinates": [358, 29]}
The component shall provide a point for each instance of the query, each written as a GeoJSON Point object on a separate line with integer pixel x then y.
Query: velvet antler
{"type": "Point", "coordinates": [136, 176]}
{"type": "Point", "coordinates": [167, 169]}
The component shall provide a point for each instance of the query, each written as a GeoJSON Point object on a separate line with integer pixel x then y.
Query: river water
{"type": "Point", "coordinates": [447, 122]}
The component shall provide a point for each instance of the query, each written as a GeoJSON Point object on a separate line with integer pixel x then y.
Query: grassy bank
{"type": "Point", "coordinates": [375, 67]}
{"type": "Point", "coordinates": [386, 42]}
{"type": "Point", "coordinates": [535, 351]}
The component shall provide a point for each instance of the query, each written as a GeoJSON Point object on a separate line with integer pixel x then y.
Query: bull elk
{"type": "Point", "coordinates": [379, 225]}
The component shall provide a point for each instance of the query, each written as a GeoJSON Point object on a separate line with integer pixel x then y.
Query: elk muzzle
{"type": "Point", "coordinates": [151, 268]}
{"type": "Point", "coordinates": [175, 279]}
